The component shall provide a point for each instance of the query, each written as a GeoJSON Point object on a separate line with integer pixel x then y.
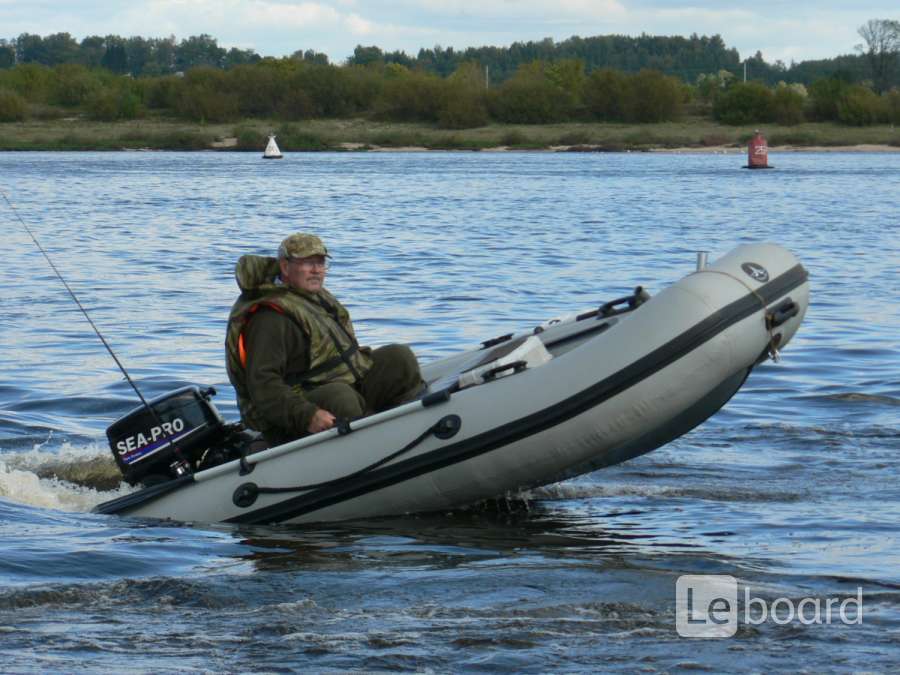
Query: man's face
{"type": "Point", "coordinates": [305, 274]}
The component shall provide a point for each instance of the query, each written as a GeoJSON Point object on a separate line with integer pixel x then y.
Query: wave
{"type": "Point", "coordinates": [70, 479]}
{"type": "Point", "coordinates": [856, 397]}
{"type": "Point", "coordinates": [566, 491]}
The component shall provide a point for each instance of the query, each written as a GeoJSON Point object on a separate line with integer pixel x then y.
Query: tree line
{"type": "Point", "coordinates": [684, 58]}
{"type": "Point", "coordinates": [224, 86]}
{"type": "Point", "coordinates": [539, 92]}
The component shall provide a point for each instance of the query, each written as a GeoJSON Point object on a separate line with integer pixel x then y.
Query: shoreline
{"type": "Point", "coordinates": [695, 135]}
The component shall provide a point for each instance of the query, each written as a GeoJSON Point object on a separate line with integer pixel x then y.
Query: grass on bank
{"type": "Point", "coordinates": [362, 134]}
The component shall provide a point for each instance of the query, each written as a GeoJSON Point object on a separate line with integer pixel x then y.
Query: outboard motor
{"type": "Point", "coordinates": [151, 448]}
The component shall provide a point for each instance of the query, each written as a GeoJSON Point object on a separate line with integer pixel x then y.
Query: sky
{"type": "Point", "coordinates": [793, 30]}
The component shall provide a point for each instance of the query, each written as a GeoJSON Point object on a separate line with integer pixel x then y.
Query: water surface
{"type": "Point", "coordinates": [792, 488]}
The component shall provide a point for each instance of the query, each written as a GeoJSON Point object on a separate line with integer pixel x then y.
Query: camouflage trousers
{"type": "Point", "coordinates": [394, 378]}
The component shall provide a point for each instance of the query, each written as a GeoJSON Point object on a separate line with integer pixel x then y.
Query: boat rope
{"type": "Point", "coordinates": [772, 347]}
{"type": "Point", "coordinates": [444, 428]}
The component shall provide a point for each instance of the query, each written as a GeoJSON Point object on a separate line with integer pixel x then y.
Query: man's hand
{"type": "Point", "coordinates": [320, 421]}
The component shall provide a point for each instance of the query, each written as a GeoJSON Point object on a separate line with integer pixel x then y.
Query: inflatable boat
{"type": "Point", "coordinates": [569, 396]}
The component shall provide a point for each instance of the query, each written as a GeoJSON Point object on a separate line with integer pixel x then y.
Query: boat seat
{"type": "Point", "coordinates": [524, 348]}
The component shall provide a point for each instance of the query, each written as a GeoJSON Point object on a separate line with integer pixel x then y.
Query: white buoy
{"type": "Point", "coordinates": [272, 151]}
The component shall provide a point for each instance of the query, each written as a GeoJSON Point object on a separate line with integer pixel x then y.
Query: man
{"type": "Point", "coordinates": [292, 353]}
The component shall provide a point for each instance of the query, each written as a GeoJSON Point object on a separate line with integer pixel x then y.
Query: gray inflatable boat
{"type": "Point", "coordinates": [569, 396]}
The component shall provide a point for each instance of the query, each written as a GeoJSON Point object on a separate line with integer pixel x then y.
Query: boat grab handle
{"type": "Point", "coordinates": [785, 310]}
{"type": "Point", "coordinates": [517, 367]}
{"type": "Point", "coordinates": [639, 297]}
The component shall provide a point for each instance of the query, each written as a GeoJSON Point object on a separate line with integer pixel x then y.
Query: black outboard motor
{"type": "Point", "coordinates": [152, 448]}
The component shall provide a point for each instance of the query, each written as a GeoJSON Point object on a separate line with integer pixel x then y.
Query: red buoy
{"type": "Point", "coordinates": [758, 152]}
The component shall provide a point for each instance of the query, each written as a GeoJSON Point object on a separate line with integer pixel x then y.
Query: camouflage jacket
{"type": "Point", "coordinates": [274, 403]}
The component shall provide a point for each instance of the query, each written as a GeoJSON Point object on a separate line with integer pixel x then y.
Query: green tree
{"type": "Point", "coordinates": [30, 49]}
{"type": "Point", "coordinates": [259, 89]}
{"type": "Point", "coordinates": [310, 56]}
{"type": "Point", "coordinates": [239, 57]}
{"type": "Point", "coordinates": [199, 50]}
{"type": "Point", "coordinates": [787, 104]}
{"type": "Point", "coordinates": [569, 77]}
{"type": "Point", "coordinates": [411, 96]}
{"type": "Point", "coordinates": [60, 48]}
{"type": "Point", "coordinates": [529, 97]}
{"type": "Point", "coordinates": [115, 102]}
{"type": "Point", "coordinates": [709, 85]}
{"type": "Point", "coordinates": [605, 94]}
{"type": "Point", "coordinates": [73, 84]}
{"type": "Point", "coordinates": [138, 54]}
{"type": "Point", "coordinates": [652, 97]}
{"type": "Point", "coordinates": [860, 106]}
{"type": "Point", "coordinates": [32, 81]}
{"type": "Point", "coordinates": [824, 97]}
{"type": "Point", "coordinates": [115, 58]}
{"type": "Point", "coordinates": [744, 103]}
{"type": "Point", "coordinates": [7, 54]}
{"type": "Point", "coordinates": [205, 96]}
{"type": "Point", "coordinates": [363, 56]}
{"type": "Point", "coordinates": [892, 106]}
{"type": "Point", "coordinates": [91, 51]}
{"type": "Point", "coordinates": [464, 101]}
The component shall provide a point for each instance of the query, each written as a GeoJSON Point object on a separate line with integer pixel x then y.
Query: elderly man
{"type": "Point", "coordinates": [292, 354]}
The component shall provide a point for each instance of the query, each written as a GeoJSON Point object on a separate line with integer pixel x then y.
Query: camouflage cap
{"type": "Point", "coordinates": [302, 245]}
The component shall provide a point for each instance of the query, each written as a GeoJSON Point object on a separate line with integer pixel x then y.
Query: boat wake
{"type": "Point", "coordinates": [580, 490]}
{"type": "Point", "coordinates": [69, 479]}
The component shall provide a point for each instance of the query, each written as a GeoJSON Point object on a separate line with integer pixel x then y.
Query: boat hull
{"type": "Point", "coordinates": [616, 387]}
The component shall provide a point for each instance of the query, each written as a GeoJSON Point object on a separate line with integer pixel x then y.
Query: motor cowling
{"type": "Point", "coordinates": [161, 443]}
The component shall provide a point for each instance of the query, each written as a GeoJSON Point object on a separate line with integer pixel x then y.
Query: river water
{"type": "Point", "coordinates": [792, 488]}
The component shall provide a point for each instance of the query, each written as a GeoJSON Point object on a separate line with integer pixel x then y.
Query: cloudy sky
{"type": "Point", "coordinates": [786, 30]}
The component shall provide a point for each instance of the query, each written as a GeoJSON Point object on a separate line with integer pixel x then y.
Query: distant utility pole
{"type": "Point", "coordinates": [487, 78]}
{"type": "Point", "coordinates": [745, 70]}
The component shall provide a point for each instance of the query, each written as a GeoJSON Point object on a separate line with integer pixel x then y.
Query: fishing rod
{"type": "Point", "coordinates": [75, 298]}
{"type": "Point", "coordinates": [87, 316]}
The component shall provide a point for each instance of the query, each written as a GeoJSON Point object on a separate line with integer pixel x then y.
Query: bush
{"type": "Point", "coordinates": [744, 103]}
{"type": "Point", "coordinates": [31, 81]}
{"type": "Point", "coordinates": [787, 106]}
{"type": "Point", "coordinates": [249, 138]}
{"type": "Point", "coordinates": [860, 106]}
{"type": "Point", "coordinates": [329, 89]}
{"type": "Point", "coordinates": [205, 96]}
{"type": "Point", "coordinates": [824, 97]}
{"type": "Point", "coordinates": [73, 85]}
{"type": "Point", "coordinates": [652, 97]}
{"type": "Point", "coordinates": [259, 89]}
{"type": "Point", "coordinates": [109, 105]}
{"type": "Point", "coordinates": [605, 93]}
{"type": "Point", "coordinates": [13, 107]}
{"type": "Point", "coordinates": [162, 93]}
{"type": "Point", "coordinates": [296, 104]}
{"type": "Point", "coordinates": [513, 138]}
{"type": "Point", "coordinates": [529, 97]}
{"type": "Point", "coordinates": [463, 102]}
{"type": "Point", "coordinates": [362, 87]}
{"type": "Point", "coordinates": [462, 107]}
{"type": "Point", "coordinates": [291, 138]}
{"type": "Point", "coordinates": [892, 105]}
{"type": "Point", "coordinates": [411, 97]}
